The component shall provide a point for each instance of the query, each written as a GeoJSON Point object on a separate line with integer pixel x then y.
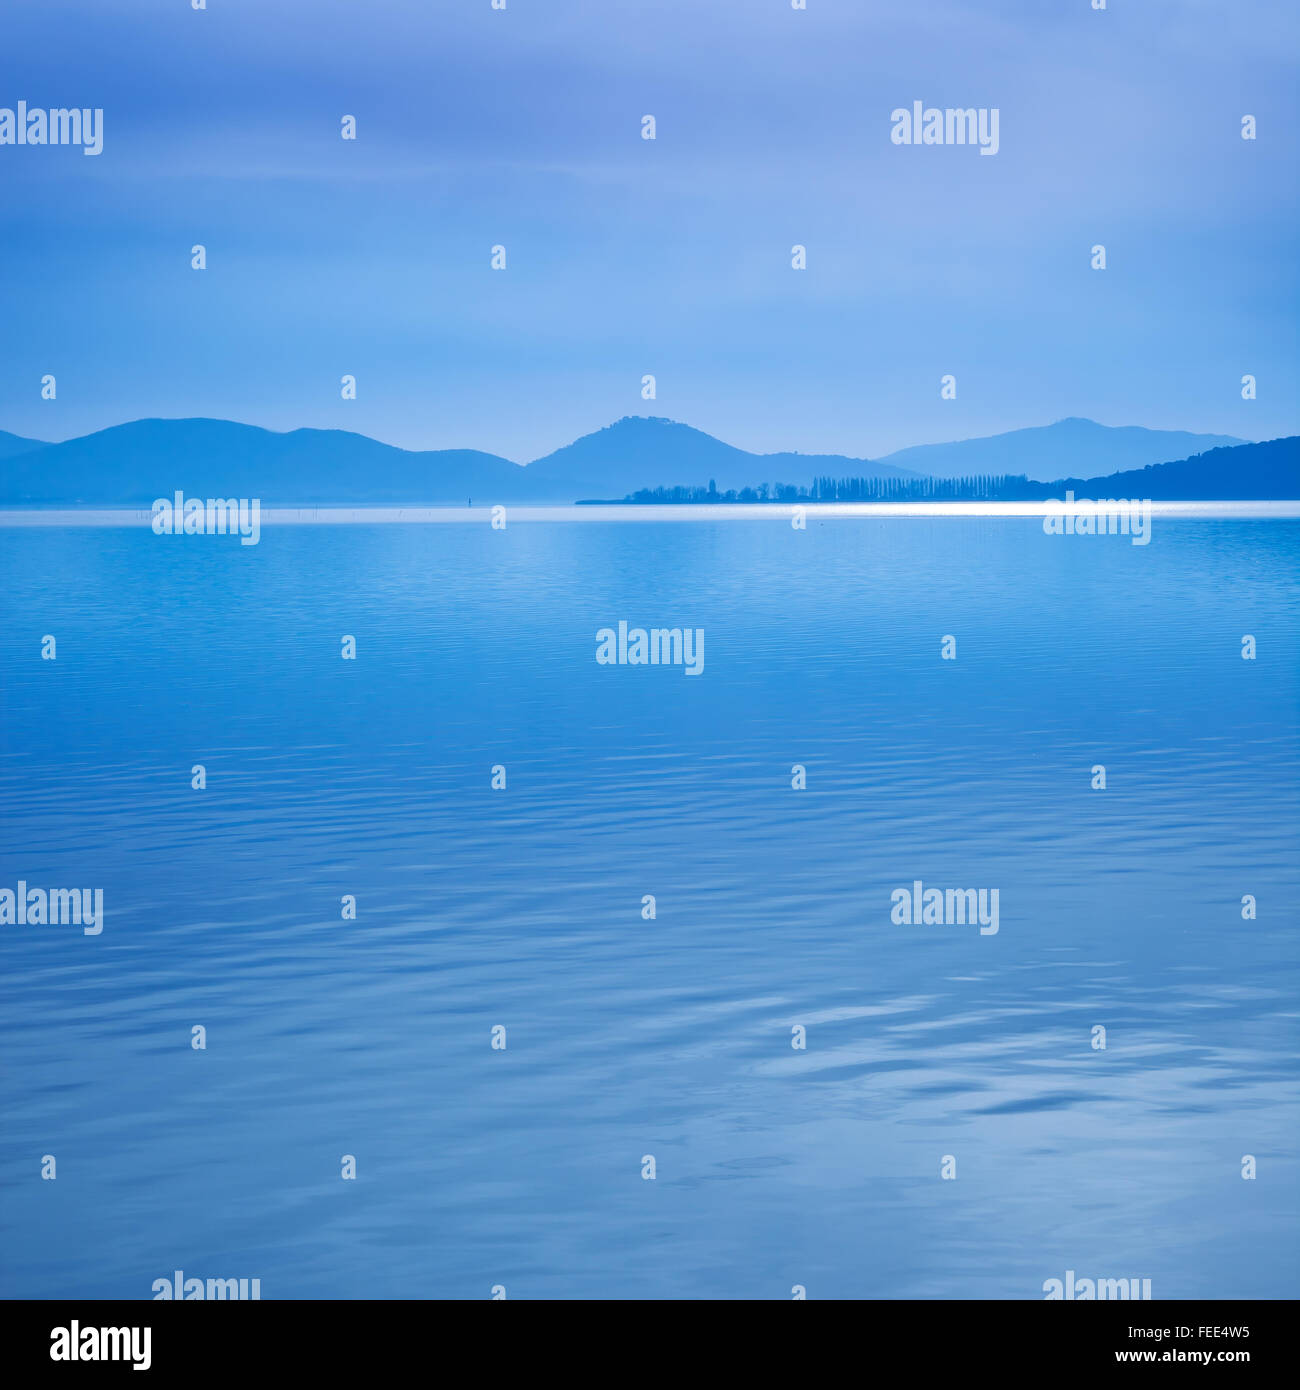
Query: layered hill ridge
{"type": "Point", "coordinates": [1072, 447]}
{"type": "Point", "coordinates": [132, 464]}
{"type": "Point", "coordinates": [665, 453]}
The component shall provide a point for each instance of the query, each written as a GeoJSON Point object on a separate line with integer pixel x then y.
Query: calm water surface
{"type": "Point", "coordinates": [669, 1037]}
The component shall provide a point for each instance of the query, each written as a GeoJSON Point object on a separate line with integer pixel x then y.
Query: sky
{"type": "Point", "coordinates": [625, 257]}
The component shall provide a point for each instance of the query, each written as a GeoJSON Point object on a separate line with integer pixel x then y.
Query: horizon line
{"type": "Point", "coordinates": [1274, 510]}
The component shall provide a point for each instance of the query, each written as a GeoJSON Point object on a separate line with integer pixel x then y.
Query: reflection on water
{"type": "Point", "coordinates": [671, 1036]}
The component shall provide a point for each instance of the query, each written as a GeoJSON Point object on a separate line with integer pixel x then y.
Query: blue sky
{"type": "Point", "coordinates": [671, 257]}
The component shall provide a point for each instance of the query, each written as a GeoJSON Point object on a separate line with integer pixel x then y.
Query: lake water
{"type": "Point", "coordinates": [671, 1037]}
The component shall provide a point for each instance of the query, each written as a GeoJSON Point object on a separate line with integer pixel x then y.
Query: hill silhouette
{"type": "Point", "coordinates": [11, 444]}
{"type": "Point", "coordinates": [1069, 448]}
{"type": "Point", "coordinates": [1243, 473]}
{"type": "Point", "coordinates": [650, 451]}
{"type": "Point", "coordinates": [132, 464]}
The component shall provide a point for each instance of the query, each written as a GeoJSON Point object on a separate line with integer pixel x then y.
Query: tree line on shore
{"type": "Point", "coordinates": [975, 487]}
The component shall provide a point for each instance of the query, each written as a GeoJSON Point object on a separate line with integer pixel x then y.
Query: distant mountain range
{"type": "Point", "coordinates": [653, 452]}
{"type": "Point", "coordinates": [1069, 448]}
{"type": "Point", "coordinates": [1242, 473]}
{"type": "Point", "coordinates": [132, 464]}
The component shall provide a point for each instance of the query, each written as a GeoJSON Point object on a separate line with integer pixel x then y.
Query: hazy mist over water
{"type": "Point", "coordinates": [523, 907]}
